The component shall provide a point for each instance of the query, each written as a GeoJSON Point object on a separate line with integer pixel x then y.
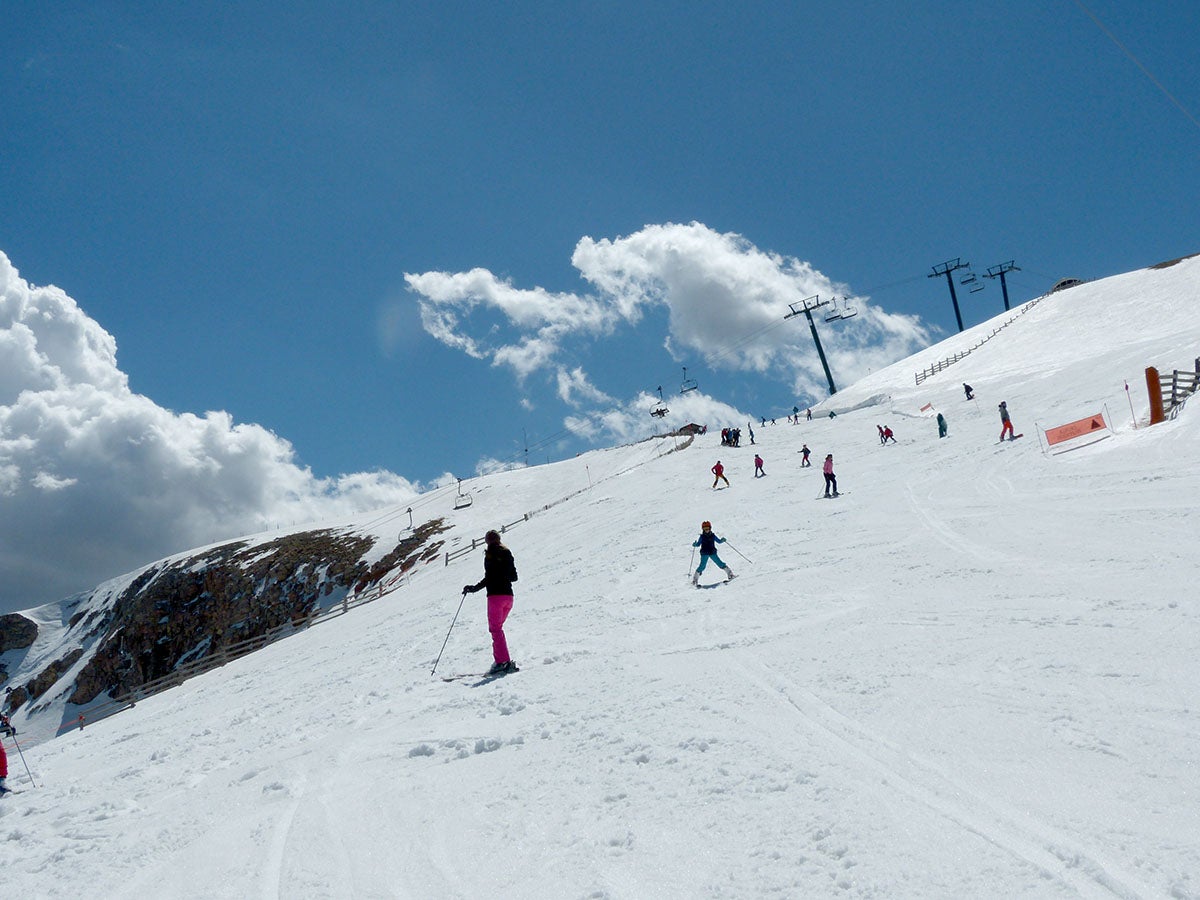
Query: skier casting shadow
{"type": "Point", "coordinates": [707, 542]}
{"type": "Point", "coordinates": [499, 573]}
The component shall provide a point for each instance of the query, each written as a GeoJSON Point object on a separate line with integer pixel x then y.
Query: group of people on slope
{"type": "Point", "coordinates": [500, 570]}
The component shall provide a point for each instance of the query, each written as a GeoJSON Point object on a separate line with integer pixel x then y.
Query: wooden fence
{"type": "Point", "coordinates": [951, 360]}
{"type": "Point", "coordinates": [218, 658]}
{"type": "Point", "coordinates": [1177, 387]}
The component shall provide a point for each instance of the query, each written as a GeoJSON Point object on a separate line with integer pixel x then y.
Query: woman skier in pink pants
{"type": "Point", "coordinates": [499, 573]}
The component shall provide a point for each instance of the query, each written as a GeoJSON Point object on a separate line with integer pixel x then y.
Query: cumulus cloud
{"type": "Point", "coordinates": [628, 422]}
{"type": "Point", "coordinates": [96, 480]}
{"type": "Point", "coordinates": [726, 300]}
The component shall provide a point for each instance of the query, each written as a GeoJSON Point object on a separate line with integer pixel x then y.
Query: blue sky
{"type": "Point", "coordinates": [244, 197]}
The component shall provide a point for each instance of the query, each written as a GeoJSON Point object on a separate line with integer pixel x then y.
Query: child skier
{"type": "Point", "coordinates": [719, 471]}
{"type": "Point", "coordinates": [941, 425]}
{"type": "Point", "coordinates": [758, 466]}
{"type": "Point", "coordinates": [707, 542]}
{"type": "Point", "coordinates": [804, 459]}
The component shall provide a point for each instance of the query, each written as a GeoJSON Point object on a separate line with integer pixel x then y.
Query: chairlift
{"type": "Point", "coordinates": [463, 500]}
{"type": "Point", "coordinates": [833, 315]}
{"type": "Point", "coordinates": [969, 278]}
{"type": "Point", "coordinates": [977, 287]}
{"type": "Point", "coordinates": [689, 384]}
{"type": "Point", "coordinates": [848, 311]}
{"type": "Point", "coordinates": [659, 409]}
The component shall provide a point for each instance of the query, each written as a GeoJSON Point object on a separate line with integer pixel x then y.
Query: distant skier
{"type": "Point", "coordinates": [882, 438]}
{"type": "Point", "coordinates": [830, 478]}
{"type": "Point", "coordinates": [751, 430]}
{"type": "Point", "coordinates": [804, 463]}
{"type": "Point", "coordinates": [887, 434]}
{"type": "Point", "coordinates": [1008, 425]}
{"type": "Point", "coordinates": [808, 415]}
{"type": "Point", "coordinates": [941, 425]}
{"type": "Point", "coordinates": [707, 542]}
{"type": "Point", "coordinates": [758, 466]}
{"type": "Point", "coordinates": [970, 391]}
{"type": "Point", "coordinates": [719, 471]}
{"type": "Point", "coordinates": [499, 573]}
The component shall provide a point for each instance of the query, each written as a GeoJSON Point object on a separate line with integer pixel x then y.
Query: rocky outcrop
{"type": "Point", "coordinates": [187, 609]}
{"type": "Point", "coordinates": [16, 632]}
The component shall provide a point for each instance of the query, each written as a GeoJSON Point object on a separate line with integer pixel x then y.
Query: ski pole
{"type": "Point", "coordinates": [22, 755]}
{"type": "Point", "coordinates": [740, 553]}
{"type": "Point", "coordinates": [445, 642]}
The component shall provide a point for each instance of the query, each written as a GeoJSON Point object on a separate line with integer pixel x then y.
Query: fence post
{"type": "Point", "coordinates": [1154, 386]}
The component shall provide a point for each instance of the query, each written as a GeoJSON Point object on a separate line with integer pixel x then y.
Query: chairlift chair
{"type": "Point", "coordinates": [848, 312]}
{"type": "Point", "coordinates": [462, 501]}
{"type": "Point", "coordinates": [659, 409]}
{"type": "Point", "coordinates": [689, 384]}
{"type": "Point", "coordinates": [833, 315]}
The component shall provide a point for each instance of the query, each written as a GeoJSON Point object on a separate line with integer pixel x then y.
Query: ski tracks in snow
{"type": "Point", "coordinates": [1056, 856]}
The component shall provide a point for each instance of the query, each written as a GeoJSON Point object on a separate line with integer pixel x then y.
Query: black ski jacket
{"type": "Point", "coordinates": [499, 571]}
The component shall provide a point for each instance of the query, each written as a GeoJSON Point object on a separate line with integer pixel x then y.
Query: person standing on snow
{"type": "Point", "coordinates": [887, 434]}
{"type": "Point", "coordinates": [499, 573]}
{"type": "Point", "coordinates": [1007, 422]}
{"type": "Point", "coordinates": [970, 391]}
{"type": "Point", "coordinates": [882, 439]}
{"type": "Point", "coordinates": [804, 463]}
{"type": "Point", "coordinates": [941, 425]}
{"type": "Point", "coordinates": [719, 471]}
{"type": "Point", "coordinates": [830, 478]}
{"type": "Point", "coordinates": [707, 542]}
{"type": "Point", "coordinates": [5, 729]}
{"type": "Point", "coordinates": [758, 466]}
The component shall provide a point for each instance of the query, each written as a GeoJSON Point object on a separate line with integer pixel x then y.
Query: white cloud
{"type": "Point", "coordinates": [632, 421]}
{"type": "Point", "coordinates": [726, 301]}
{"type": "Point", "coordinates": [574, 388]}
{"type": "Point", "coordinates": [96, 480]}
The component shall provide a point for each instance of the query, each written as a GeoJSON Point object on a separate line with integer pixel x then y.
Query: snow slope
{"type": "Point", "coordinates": [973, 675]}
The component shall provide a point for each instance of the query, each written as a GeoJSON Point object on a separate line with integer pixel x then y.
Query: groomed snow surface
{"type": "Point", "coordinates": [973, 675]}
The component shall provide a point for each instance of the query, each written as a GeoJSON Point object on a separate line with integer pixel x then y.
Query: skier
{"type": "Point", "coordinates": [719, 471]}
{"type": "Point", "coordinates": [804, 463]}
{"type": "Point", "coordinates": [707, 542]}
{"type": "Point", "coordinates": [5, 728]}
{"type": "Point", "coordinates": [830, 478]}
{"type": "Point", "coordinates": [887, 434]}
{"type": "Point", "coordinates": [751, 430]}
{"type": "Point", "coordinates": [1008, 425]}
{"type": "Point", "coordinates": [499, 573]}
{"type": "Point", "coordinates": [758, 466]}
{"type": "Point", "coordinates": [882, 438]}
{"type": "Point", "coordinates": [941, 425]}
{"type": "Point", "coordinates": [970, 391]}
{"type": "Point", "coordinates": [808, 415]}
